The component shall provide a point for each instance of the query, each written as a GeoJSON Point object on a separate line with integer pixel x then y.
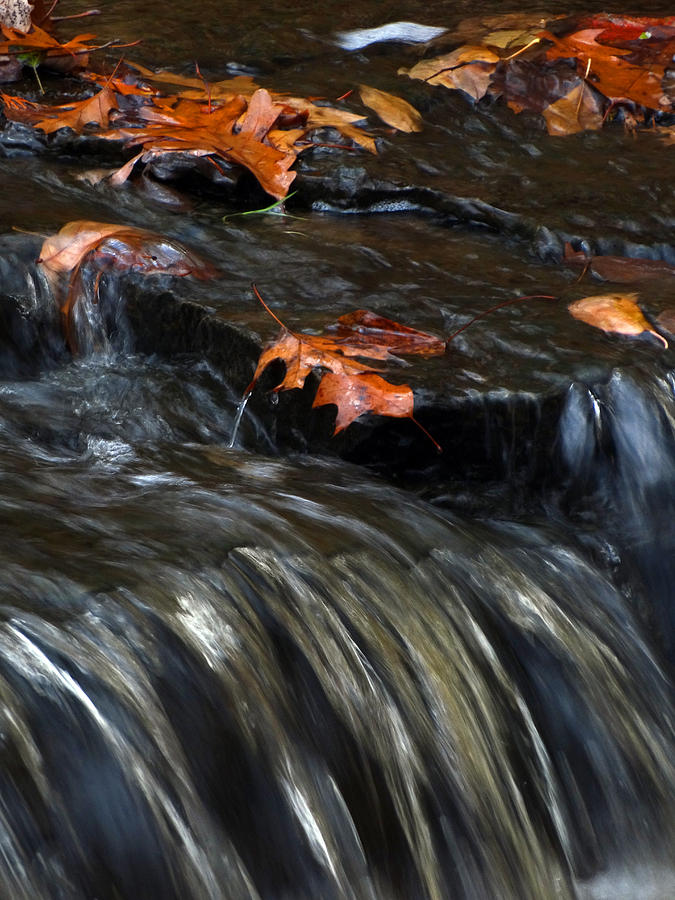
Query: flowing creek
{"type": "Point", "coordinates": [301, 667]}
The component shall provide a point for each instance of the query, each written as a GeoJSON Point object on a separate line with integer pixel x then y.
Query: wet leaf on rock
{"type": "Point", "coordinates": [355, 395]}
{"type": "Point", "coordinates": [620, 269]}
{"type": "Point", "coordinates": [90, 111]}
{"type": "Point", "coordinates": [351, 384]}
{"type": "Point", "coordinates": [617, 313]}
{"type": "Point", "coordinates": [363, 328]}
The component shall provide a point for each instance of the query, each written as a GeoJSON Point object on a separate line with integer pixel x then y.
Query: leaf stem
{"type": "Point", "coordinates": [276, 318]}
{"type": "Point", "coordinates": [498, 306]}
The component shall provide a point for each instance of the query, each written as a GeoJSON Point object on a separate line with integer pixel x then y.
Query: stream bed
{"type": "Point", "coordinates": [287, 665]}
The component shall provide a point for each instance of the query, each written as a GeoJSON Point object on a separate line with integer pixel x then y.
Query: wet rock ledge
{"type": "Point", "coordinates": [500, 414]}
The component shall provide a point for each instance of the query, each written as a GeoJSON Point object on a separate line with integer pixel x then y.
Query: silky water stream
{"type": "Point", "coordinates": [244, 672]}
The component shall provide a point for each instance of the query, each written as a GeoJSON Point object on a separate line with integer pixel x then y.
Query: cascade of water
{"type": "Point", "coordinates": [229, 678]}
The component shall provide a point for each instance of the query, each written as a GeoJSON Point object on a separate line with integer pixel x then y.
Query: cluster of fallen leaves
{"type": "Point", "coordinates": [574, 71]}
{"type": "Point", "coordinates": [234, 121]}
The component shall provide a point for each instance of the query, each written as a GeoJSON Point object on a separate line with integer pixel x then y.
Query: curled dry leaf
{"type": "Point", "coordinates": [392, 110]}
{"type": "Point", "coordinates": [617, 313]}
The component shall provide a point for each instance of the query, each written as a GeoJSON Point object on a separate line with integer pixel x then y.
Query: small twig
{"type": "Point", "coordinates": [584, 270]}
{"type": "Point", "coordinates": [433, 440]}
{"type": "Point", "coordinates": [48, 13]}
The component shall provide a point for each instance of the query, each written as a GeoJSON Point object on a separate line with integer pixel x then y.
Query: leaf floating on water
{"type": "Point", "coordinates": [617, 313]}
{"type": "Point", "coordinates": [392, 110]}
{"type": "Point", "coordinates": [576, 72]}
{"type": "Point", "coordinates": [467, 69]}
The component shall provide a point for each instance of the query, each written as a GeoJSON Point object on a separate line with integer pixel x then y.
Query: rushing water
{"type": "Point", "coordinates": [231, 674]}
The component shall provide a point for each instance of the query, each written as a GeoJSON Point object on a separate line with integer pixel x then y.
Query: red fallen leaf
{"type": "Point", "coordinates": [260, 116]}
{"type": "Point", "coordinates": [302, 353]}
{"type": "Point", "coordinates": [614, 313]}
{"type": "Point", "coordinates": [363, 328]}
{"type": "Point", "coordinates": [621, 269]}
{"type": "Point", "coordinates": [120, 247]}
{"type": "Point", "coordinates": [616, 30]}
{"type": "Point", "coordinates": [607, 68]}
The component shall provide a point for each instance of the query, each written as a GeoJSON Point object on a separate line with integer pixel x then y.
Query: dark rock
{"type": "Point", "coordinates": [30, 335]}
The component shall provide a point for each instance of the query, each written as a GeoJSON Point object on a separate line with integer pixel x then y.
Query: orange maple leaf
{"type": "Point", "coordinates": [39, 40]}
